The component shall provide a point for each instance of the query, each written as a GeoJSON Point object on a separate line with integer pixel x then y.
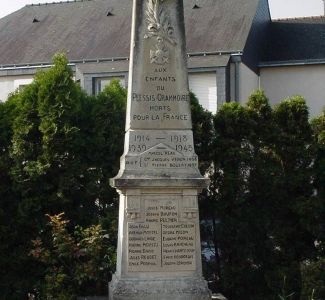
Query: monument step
{"type": "Point", "coordinates": [160, 289]}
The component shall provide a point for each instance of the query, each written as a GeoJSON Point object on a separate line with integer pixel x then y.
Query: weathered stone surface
{"type": "Point", "coordinates": [159, 233]}
{"type": "Point", "coordinates": [159, 153]}
{"type": "Point", "coordinates": [159, 139]}
{"type": "Point", "coordinates": [159, 240]}
{"type": "Point", "coordinates": [161, 243]}
{"type": "Point", "coordinates": [162, 289]}
{"type": "Point", "coordinates": [159, 251]}
{"type": "Point", "coordinates": [158, 90]}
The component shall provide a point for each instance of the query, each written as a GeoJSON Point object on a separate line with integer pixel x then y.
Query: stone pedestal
{"type": "Point", "coordinates": [159, 255]}
{"type": "Point", "coordinates": [159, 251]}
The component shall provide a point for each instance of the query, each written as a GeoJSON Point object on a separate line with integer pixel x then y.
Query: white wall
{"type": "Point", "coordinates": [204, 86]}
{"type": "Point", "coordinates": [308, 81]}
{"type": "Point", "coordinates": [10, 83]}
{"type": "Point", "coordinates": [6, 86]}
{"type": "Point", "coordinates": [248, 83]}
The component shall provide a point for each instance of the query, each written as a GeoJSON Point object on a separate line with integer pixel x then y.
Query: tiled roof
{"type": "Point", "coordinates": [296, 39]}
{"type": "Point", "coordinates": [93, 29]}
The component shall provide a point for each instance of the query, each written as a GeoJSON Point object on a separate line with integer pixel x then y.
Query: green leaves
{"type": "Point", "coordinates": [59, 149]}
{"type": "Point", "coordinates": [262, 196]}
{"type": "Point", "coordinates": [202, 132]}
{"type": "Point", "coordinates": [75, 262]}
{"type": "Point", "coordinates": [263, 213]}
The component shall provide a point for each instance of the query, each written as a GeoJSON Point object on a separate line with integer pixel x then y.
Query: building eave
{"type": "Point", "coordinates": [292, 63]}
{"type": "Point", "coordinates": [41, 65]}
{"type": "Point", "coordinates": [48, 64]}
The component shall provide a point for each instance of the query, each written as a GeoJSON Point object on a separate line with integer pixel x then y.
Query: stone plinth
{"type": "Point", "coordinates": [162, 289]}
{"type": "Point", "coordinates": [159, 255]}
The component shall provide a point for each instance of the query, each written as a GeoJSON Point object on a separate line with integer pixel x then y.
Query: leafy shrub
{"type": "Point", "coordinates": [75, 263]}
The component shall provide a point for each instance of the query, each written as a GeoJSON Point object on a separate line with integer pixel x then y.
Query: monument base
{"type": "Point", "coordinates": [159, 289]}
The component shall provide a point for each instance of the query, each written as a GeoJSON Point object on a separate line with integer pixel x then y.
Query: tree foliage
{"type": "Point", "coordinates": [8, 202]}
{"type": "Point", "coordinates": [263, 214]}
{"type": "Point", "coordinates": [262, 197]}
{"type": "Point", "coordinates": [313, 269]}
{"type": "Point", "coordinates": [202, 132]}
{"type": "Point", "coordinates": [59, 148]}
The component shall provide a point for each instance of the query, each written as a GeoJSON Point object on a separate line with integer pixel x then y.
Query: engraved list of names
{"type": "Point", "coordinates": [161, 243]}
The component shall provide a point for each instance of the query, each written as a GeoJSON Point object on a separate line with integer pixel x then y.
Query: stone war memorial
{"type": "Point", "coordinates": [159, 251]}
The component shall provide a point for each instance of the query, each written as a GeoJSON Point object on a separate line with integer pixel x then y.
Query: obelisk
{"type": "Point", "coordinates": [159, 251]}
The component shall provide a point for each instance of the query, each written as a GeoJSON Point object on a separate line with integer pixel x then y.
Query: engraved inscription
{"type": "Point", "coordinates": [161, 99]}
{"type": "Point", "coordinates": [161, 106]}
{"type": "Point", "coordinates": [163, 157]}
{"type": "Point", "coordinates": [161, 243]}
{"type": "Point", "coordinates": [158, 95]}
{"type": "Point", "coordinates": [180, 141]}
{"type": "Point", "coordinates": [161, 211]}
{"type": "Point", "coordinates": [161, 150]}
{"type": "Point", "coordinates": [178, 245]}
{"type": "Point", "coordinates": [144, 246]}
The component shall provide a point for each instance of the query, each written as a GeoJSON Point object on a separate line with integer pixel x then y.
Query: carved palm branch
{"type": "Point", "coordinates": [158, 22]}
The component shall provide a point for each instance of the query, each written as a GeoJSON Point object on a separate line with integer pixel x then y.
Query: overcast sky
{"type": "Point", "coordinates": [279, 8]}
